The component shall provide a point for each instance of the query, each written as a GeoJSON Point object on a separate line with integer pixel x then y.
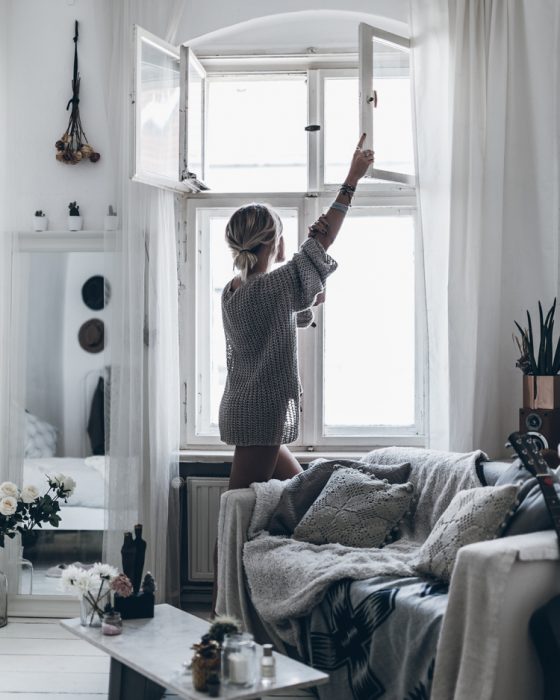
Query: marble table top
{"type": "Point", "coordinates": [158, 649]}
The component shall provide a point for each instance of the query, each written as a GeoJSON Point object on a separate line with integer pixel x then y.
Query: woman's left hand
{"type": "Point", "coordinates": [320, 298]}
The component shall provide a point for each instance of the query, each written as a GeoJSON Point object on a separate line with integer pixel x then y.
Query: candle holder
{"type": "Point", "coordinates": [239, 660]}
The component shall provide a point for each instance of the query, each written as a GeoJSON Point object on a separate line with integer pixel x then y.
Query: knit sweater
{"type": "Point", "coordinates": [260, 405]}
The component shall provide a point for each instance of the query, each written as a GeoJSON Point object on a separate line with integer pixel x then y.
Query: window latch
{"type": "Point", "coordinates": [373, 98]}
{"type": "Point", "coordinates": [313, 127]}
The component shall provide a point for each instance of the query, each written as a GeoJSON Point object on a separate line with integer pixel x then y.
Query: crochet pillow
{"type": "Point", "coordinates": [303, 489]}
{"type": "Point", "coordinates": [355, 510]}
{"type": "Point", "coordinates": [40, 437]}
{"type": "Point", "coordinates": [474, 515]}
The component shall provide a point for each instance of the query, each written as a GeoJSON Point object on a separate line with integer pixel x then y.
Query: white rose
{"type": "Point", "coordinates": [8, 505]}
{"type": "Point", "coordinates": [66, 482]}
{"type": "Point", "coordinates": [29, 493]}
{"type": "Point", "coordinates": [8, 488]}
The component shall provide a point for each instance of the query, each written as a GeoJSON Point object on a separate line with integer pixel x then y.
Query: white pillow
{"type": "Point", "coordinates": [96, 462]}
{"type": "Point", "coordinates": [355, 510]}
{"type": "Point", "coordinates": [40, 437]}
{"type": "Point", "coordinates": [474, 515]}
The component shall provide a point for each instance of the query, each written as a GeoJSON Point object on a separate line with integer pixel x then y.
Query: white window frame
{"type": "Point", "coordinates": [186, 61]}
{"type": "Point", "coordinates": [310, 341]}
{"type": "Point", "coordinates": [368, 96]}
{"type": "Point", "coordinates": [396, 194]}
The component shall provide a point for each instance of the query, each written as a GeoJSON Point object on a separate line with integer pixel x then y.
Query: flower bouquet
{"type": "Point", "coordinates": [95, 586]}
{"type": "Point", "coordinates": [22, 510]}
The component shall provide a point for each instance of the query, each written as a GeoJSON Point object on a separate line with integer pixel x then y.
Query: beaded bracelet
{"type": "Point", "coordinates": [339, 207]}
{"type": "Point", "coordinates": [321, 226]}
{"type": "Point", "coordinates": [347, 189]}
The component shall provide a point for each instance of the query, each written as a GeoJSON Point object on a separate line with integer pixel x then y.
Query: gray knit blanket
{"type": "Point", "coordinates": [288, 578]}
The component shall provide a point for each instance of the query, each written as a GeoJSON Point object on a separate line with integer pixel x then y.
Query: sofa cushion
{"type": "Point", "coordinates": [356, 510]}
{"type": "Point", "coordinates": [532, 514]}
{"type": "Point", "coordinates": [304, 488]}
{"type": "Point", "coordinates": [474, 515]}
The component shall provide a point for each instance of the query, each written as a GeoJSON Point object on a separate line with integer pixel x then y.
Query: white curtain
{"type": "Point", "coordinates": [144, 391]}
{"type": "Point", "coordinates": [486, 94]}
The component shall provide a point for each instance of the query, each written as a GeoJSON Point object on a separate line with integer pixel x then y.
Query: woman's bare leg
{"type": "Point", "coordinates": [250, 464]}
{"type": "Point", "coordinates": [286, 465]}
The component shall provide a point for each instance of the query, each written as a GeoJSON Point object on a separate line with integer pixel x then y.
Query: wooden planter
{"type": "Point", "coordinates": [541, 391]}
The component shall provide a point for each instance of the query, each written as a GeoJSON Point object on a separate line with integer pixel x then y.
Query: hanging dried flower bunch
{"type": "Point", "coordinates": [73, 145]}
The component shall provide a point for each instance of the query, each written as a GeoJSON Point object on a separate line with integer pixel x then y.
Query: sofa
{"type": "Point", "coordinates": [481, 643]}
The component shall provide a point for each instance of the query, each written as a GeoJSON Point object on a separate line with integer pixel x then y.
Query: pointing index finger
{"type": "Point", "coordinates": [361, 141]}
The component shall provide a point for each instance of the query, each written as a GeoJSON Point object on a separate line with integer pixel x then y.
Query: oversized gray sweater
{"type": "Point", "coordinates": [260, 405]}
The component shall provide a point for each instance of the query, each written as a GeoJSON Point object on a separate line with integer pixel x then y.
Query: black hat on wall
{"type": "Point", "coordinates": [91, 335]}
{"type": "Point", "coordinates": [95, 291]}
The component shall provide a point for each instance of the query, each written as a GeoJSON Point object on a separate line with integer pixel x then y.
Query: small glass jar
{"type": "Point", "coordinates": [111, 625]}
{"type": "Point", "coordinates": [239, 660]}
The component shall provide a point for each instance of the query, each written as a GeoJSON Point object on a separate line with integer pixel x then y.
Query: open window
{"type": "Point", "coordinates": [385, 103]}
{"type": "Point", "coordinates": [168, 117]}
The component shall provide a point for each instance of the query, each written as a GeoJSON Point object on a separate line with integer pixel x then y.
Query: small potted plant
{"type": "Point", "coordinates": [539, 361]}
{"type": "Point", "coordinates": [40, 221]}
{"type": "Point", "coordinates": [75, 221]}
{"type": "Point", "coordinates": [111, 220]}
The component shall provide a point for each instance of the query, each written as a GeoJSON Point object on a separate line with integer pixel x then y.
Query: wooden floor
{"type": "Point", "coordinates": [39, 660]}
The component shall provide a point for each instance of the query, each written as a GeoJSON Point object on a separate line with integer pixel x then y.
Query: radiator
{"type": "Point", "coordinates": [203, 499]}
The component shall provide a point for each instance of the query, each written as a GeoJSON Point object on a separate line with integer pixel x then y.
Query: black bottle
{"type": "Point", "coordinates": [128, 555]}
{"type": "Point", "coordinates": [140, 557]}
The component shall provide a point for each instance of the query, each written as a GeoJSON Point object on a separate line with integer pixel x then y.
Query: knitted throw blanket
{"type": "Point", "coordinates": [287, 578]}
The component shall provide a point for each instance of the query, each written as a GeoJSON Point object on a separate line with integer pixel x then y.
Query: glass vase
{"type": "Point", "coordinates": [89, 615]}
{"type": "Point", "coordinates": [25, 574]}
{"type": "Point", "coordinates": [3, 599]}
{"type": "Point", "coordinates": [239, 660]}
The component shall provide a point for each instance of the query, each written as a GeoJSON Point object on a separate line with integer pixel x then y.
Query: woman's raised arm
{"type": "Point", "coordinates": [327, 226]}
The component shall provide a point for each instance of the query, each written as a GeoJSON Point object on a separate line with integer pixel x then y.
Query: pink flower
{"type": "Point", "coordinates": [122, 585]}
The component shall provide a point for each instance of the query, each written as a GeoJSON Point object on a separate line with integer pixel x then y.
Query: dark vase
{"type": "Point", "coordinates": [140, 549]}
{"type": "Point", "coordinates": [128, 555]}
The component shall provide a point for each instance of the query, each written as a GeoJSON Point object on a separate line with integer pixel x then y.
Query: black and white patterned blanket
{"type": "Point", "coordinates": [376, 638]}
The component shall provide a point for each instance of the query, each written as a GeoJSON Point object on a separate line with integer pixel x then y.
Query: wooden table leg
{"type": "Point", "coordinates": [127, 684]}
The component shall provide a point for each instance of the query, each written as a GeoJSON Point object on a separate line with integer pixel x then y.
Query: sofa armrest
{"type": "Point", "coordinates": [495, 588]}
{"type": "Point", "coordinates": [236, 508]}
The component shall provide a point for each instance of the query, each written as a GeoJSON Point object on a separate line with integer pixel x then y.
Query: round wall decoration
{"type": "Point", "coordinates": [95, 292]}
{"type": "Point", "coordinates": [91, 335]}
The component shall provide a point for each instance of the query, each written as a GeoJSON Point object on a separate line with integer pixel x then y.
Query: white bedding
{"type": "Point", "coordinates": [85, 508]}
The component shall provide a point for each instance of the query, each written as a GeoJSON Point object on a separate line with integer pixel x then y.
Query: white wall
{"type": "Point", "coordinates": [202, 18]}
{"type": "Point", "coordinates": [41, 53]}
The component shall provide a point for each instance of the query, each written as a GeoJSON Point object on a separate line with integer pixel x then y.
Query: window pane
{"type": "Point", "coordinates": [158, 138]}
{"type": "Point", "coordinates": [256, 138]}
{"type": "Point", "coordinates": [392, 118]}
{"type": "Point", "coordinates": [194, 122]}
{"type": "Point", "coordinates": [369, 325]}
{"type": "Point", "coordinates": [217, 260]}
{"type": "Point", "coordinates": [341, 124]}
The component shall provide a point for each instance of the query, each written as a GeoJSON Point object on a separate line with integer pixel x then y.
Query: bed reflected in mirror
{"type": "Point", "coordinates": [64, 298]}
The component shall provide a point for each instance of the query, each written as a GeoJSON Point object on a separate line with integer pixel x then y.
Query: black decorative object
{"type": "Point", "coordinates": [95, 291]}
{"type": "Point", "coordinates": [91, 335]}
{"type": "Point", "coordinates": [141, 603]}
{"type": "Point", "coordinates": [139, 558]}
{"type": "Point", "coordinates": [73, 145]}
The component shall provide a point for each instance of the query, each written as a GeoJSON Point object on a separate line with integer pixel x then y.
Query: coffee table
{"type": "Point", "coordinates": [148, 658]}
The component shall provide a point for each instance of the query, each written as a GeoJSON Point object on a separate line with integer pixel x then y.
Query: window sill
{"type": "Point", "coordinates": [213, 456]}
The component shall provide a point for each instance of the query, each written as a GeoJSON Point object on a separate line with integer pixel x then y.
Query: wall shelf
{"type": "Point", "coordinates": [89, 241]}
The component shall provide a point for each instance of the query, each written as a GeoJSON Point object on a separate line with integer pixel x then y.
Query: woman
{"type": "Point", "coordinates": [259, 411]}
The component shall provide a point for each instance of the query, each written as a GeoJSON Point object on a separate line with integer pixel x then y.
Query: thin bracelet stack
{"type": "Point", "coordinates": [321, 226]}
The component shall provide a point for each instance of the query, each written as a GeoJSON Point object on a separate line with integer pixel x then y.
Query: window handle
{"type": "Point", "coordinates": [373, 98]}
{"type": "Point", "coordinates": [313, 127]}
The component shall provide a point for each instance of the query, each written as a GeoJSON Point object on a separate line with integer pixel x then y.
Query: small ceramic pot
{"type": "Point", "coordinates": [111, 223]}
{"type": "Point", "coordinates": [40, 223]}
{"type": "Point", "coordinates": [75, 223]}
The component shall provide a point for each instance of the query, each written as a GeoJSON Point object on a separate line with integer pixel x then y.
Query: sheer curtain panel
{"type": "Point", "coordinates": [488, 190]}
{"type": "Point", "coordinates": [144, 393]}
